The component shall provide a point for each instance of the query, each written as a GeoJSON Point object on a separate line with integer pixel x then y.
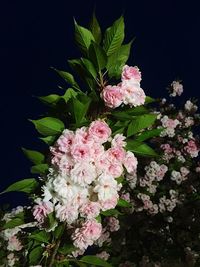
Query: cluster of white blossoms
{"type": "Point", "coordinates": [82, 181]}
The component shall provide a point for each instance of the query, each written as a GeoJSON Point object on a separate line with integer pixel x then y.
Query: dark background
{"type": "Point", "coordinates": [35, 35]}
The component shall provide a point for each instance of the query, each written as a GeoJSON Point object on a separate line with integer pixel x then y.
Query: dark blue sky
{"type": "Point", "coordinates": [35, 35]}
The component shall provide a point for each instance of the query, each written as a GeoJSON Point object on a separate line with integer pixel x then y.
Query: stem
{"type": "Point", "coordinates": [57, 245]}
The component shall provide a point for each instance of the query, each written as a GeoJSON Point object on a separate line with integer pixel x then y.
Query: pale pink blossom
{"type": "Point", "coordinates": [87, 234]}
{"type": "Point", "coordinates": [14, 244]}
{"type": "Point", "coordinates": [177, 88]}
{"type": "Point", "coordinates": [116, 154]}
{"type": "Point", "coordinates": [99, 131]}
{"type": "Point", "coordinates": [113, 224]}
{"type": "Point", "coordinates": [41, 210]}
{"type": "Point", "coordinates": [103, 255]}
{"type": "Point", "coordinates": [83, 173]}
{"type": "Point", "coordinates": [129, 72]}
{"type": "Point", "coordinates": [192, 149]}
{"type": "Point", "coordinates": [112, 96]}
{"type": "Point", "coordinates": [66, 213]}
{"type": "Point", "coordinates": [90, 210]}
{"type": "Point", "coordinates": [118, 141]}
{"type": "Point", "coordinates": [80, 152]}
{"type": "Point", "coordinates": [114, 169]}
{"type": "Point", "coordinates": [133, 94]}
{"type": "Point", "coordinates": [109, 203]}
{"type": "Point", "coordinates": [130, 162]}
{"type": "Point", "coordinates": [65, 141]}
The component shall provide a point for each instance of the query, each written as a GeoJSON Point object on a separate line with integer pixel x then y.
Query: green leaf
{"type": "Point", "coordinates": [149, 134]}
{"type": "Point", "coordinates": [140, 122]}
{"type": "Point", "coordinates": [117, 60]}
{"type": "Point", "coordinates": [35, 255]}
{"type": "Point", "coordinates": [98, 56]}
{"type": "Point", "coordinates": [68, 77]}
{"type": "Point", "coordinates": [41, 236]}
{"type": "Point", "coordinates": [95, 29]}
{"type": "Point", "coordinates": [111, 212]}
{"type": "Point", "coordinates": [93, 260]}
{"type": "Point", "coordinates": [70, 93]}
{"type": "Point", "coordinates": [114, 36]}
{"type": "Point", "coordinates": [40, 168]}
{"type": "Point", "coordinates": [13, 223]}
{"type": "Point", "coordinates": [59, 231]}
{"type": "Point", "coordinates": [149, 100]}
{"type": "Point", "coordinates": [89, 67]}
{"type": "Point", "coordinates": [49, 140]}
{"type": "Point", "coordinates": [83, 38]}
{"type": "Point", "coordinates": [80, 109]}
{"type": "Point", "coordinates": [67, 249]}
{"type": "Point", "coordinates": [50, 99]}
{"type": "Point", "coordinates": [27, 186]}
{"type": "Point", "coordinates": [51, 221]}
{"type": "Point", "coordinates": [34, 156]}
{"type": "Point", "coordinates": [49, 126]}
{"type": "Point", "coordinates": [123, 203]}
{"type": "Point", "coordinates": [144, 150]}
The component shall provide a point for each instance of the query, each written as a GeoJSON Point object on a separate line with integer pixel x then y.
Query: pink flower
{"type": "Point", "coordinates": [112, 96]}
{"type": "Point", "coordinates": [116, 154]}
{"type": "Point", "coordinates": [99, 131]}
{"type": "Point", "coordinates": [113, 224]}
{"type": "Point", "coordinates": [109, 203]}
{"type": "Point", "coordinates": [90, 210]}
{"type": "Point", "coordinates": [14, 244]}
{"type": "Point", "coordinates": [87, 234]}
{"type": "Point", "coordinates": [41, 210]}
{"type": "Point", "coordinates": [68, 213]}
{"type": "Point", "coordinates": [130, 162]}
{"type": "Point", "coordinates": [83, 173]}
{"type": "Point", "coordinates": [131, 73]}
{"type": "Point", "coordinates": [118, 141]}
{"type": "Point", "coordinates": [65, 141]}
{"type": "Point", "coordinates": [177, 88]}
{"type": "Point", "coordinates": [114, 169]}
{"type": "Point", "coordinates": [80, 152]}
{"type": "Point", "coordinates": [103, 255]}
{"type": "Point", "coordinates": [82, 136]}
{"type": "Point", "coordinates": [192, 149]}
{"type": "Point", "coordinates": [133, 94]}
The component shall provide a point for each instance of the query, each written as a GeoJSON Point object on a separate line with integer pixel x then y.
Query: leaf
{"type": "Point", "coordinates": [35, 255]}
{"type": "Point", "coordinates": [27, 186]}
{"type": "Point", "coordinates": [149, 134]}
{"type": "Point", "coordinates": [41, 236]}
{"type": "Point", "coordinates": [40, 168]}
{"type": "Point", "coordinates": [34, 156]}
{"type": "Point", "coordinates": [51, 221]}
{"type": "Point", "coordinates": [80, 109]}
{"type": "Point", "coordinates": [68, 77]}
{"type": "Point", "coordinates": [95, 29]}
{"type": "Point", "coordinates": [48, 126]}
{"type": "Point", "coordinates": [111, 212]}
{"type": "Point", "coordinates": [114, 36]}
{"type": "Point", "coordinates": [83, 38]}
{"type": "Point", "coordinates": [50, 99]}
{"type": "Point", "coordinates": [149, 100]}
{"type": "Point", "coordinates": [89, 67]}
{"type": "Point", "coordinates": [117, 60]}
{"type": "Point", "coordinates": [140, 122]}
{"type": "Point", "coordinates": [70, 93]}
{"type": "Point", "coordinates": [67, 249]}
{"type": "Point", "coordinates": [49, 140]}
{"type": "Point", "coordinates": [13, 223]}
{"type": "Point", "coordinates": [59, 231]}
{"type": "Point", "coordinates": [123, 203]}
{"type": "Point", "coordinates": [98, 56]}
{"type": "Point", "coordinates": [144, 150]}
{"type": "Point", "coordinates": [94, 260]}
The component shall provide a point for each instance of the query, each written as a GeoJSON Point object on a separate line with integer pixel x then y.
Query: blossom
{"type": "Point", "coordinates": [87, 234]}
{"type": "Point", "coordinates": [131, 73]}
{"type": "Point", "coordinates": [14, 244]}
{"type": "Point", "coordinates": [192, 149]}
{"type": "Point", "coordinates": [118, 141]}
{"type": "Point", "coordinates": [130, 162]}
{"type": "Point", "coordinates": [65, 141]}
{"type": "Point", "coordinates": [67, 212]}
{"type": "Point", "coordinates": [103, 255]}
{"type": "Point", "coordinates": [133, 94]}
{"type": "Point", "coordinates": [41, 210]}
{"type": "Point", "coordinates": [113, 224]}
{"type": "Point", "coordinates": [90, 209]}
{"type": "Point", "coordinates": [177, 88]}
{"type": "Point", "coordinates": [189, 106]}
{"type": "Point", "coordinates": [100, 131]}
{"type": "Point", "coordinates": [112, 96]}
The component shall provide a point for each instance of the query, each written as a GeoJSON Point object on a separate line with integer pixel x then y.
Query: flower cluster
{"type": "Point", "coordinates": [127, 92]}
{"type": "Point", "coordinates": [82, 181]}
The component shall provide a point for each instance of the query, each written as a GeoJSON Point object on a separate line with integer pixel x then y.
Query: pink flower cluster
{"type": "Point", "coordinates": [82, 180]}
{"type": "Point", "coordinates": [169, 125]}
{"type": "Point", "coordinates": [127, 92]}
{"type": "Point", "coordinates": [176, 88]}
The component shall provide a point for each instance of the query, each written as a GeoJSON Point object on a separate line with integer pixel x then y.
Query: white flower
{"type": "Point", "coordinates": [106, 187]}
{"type": "Point", "coordinates": [68, 212]}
